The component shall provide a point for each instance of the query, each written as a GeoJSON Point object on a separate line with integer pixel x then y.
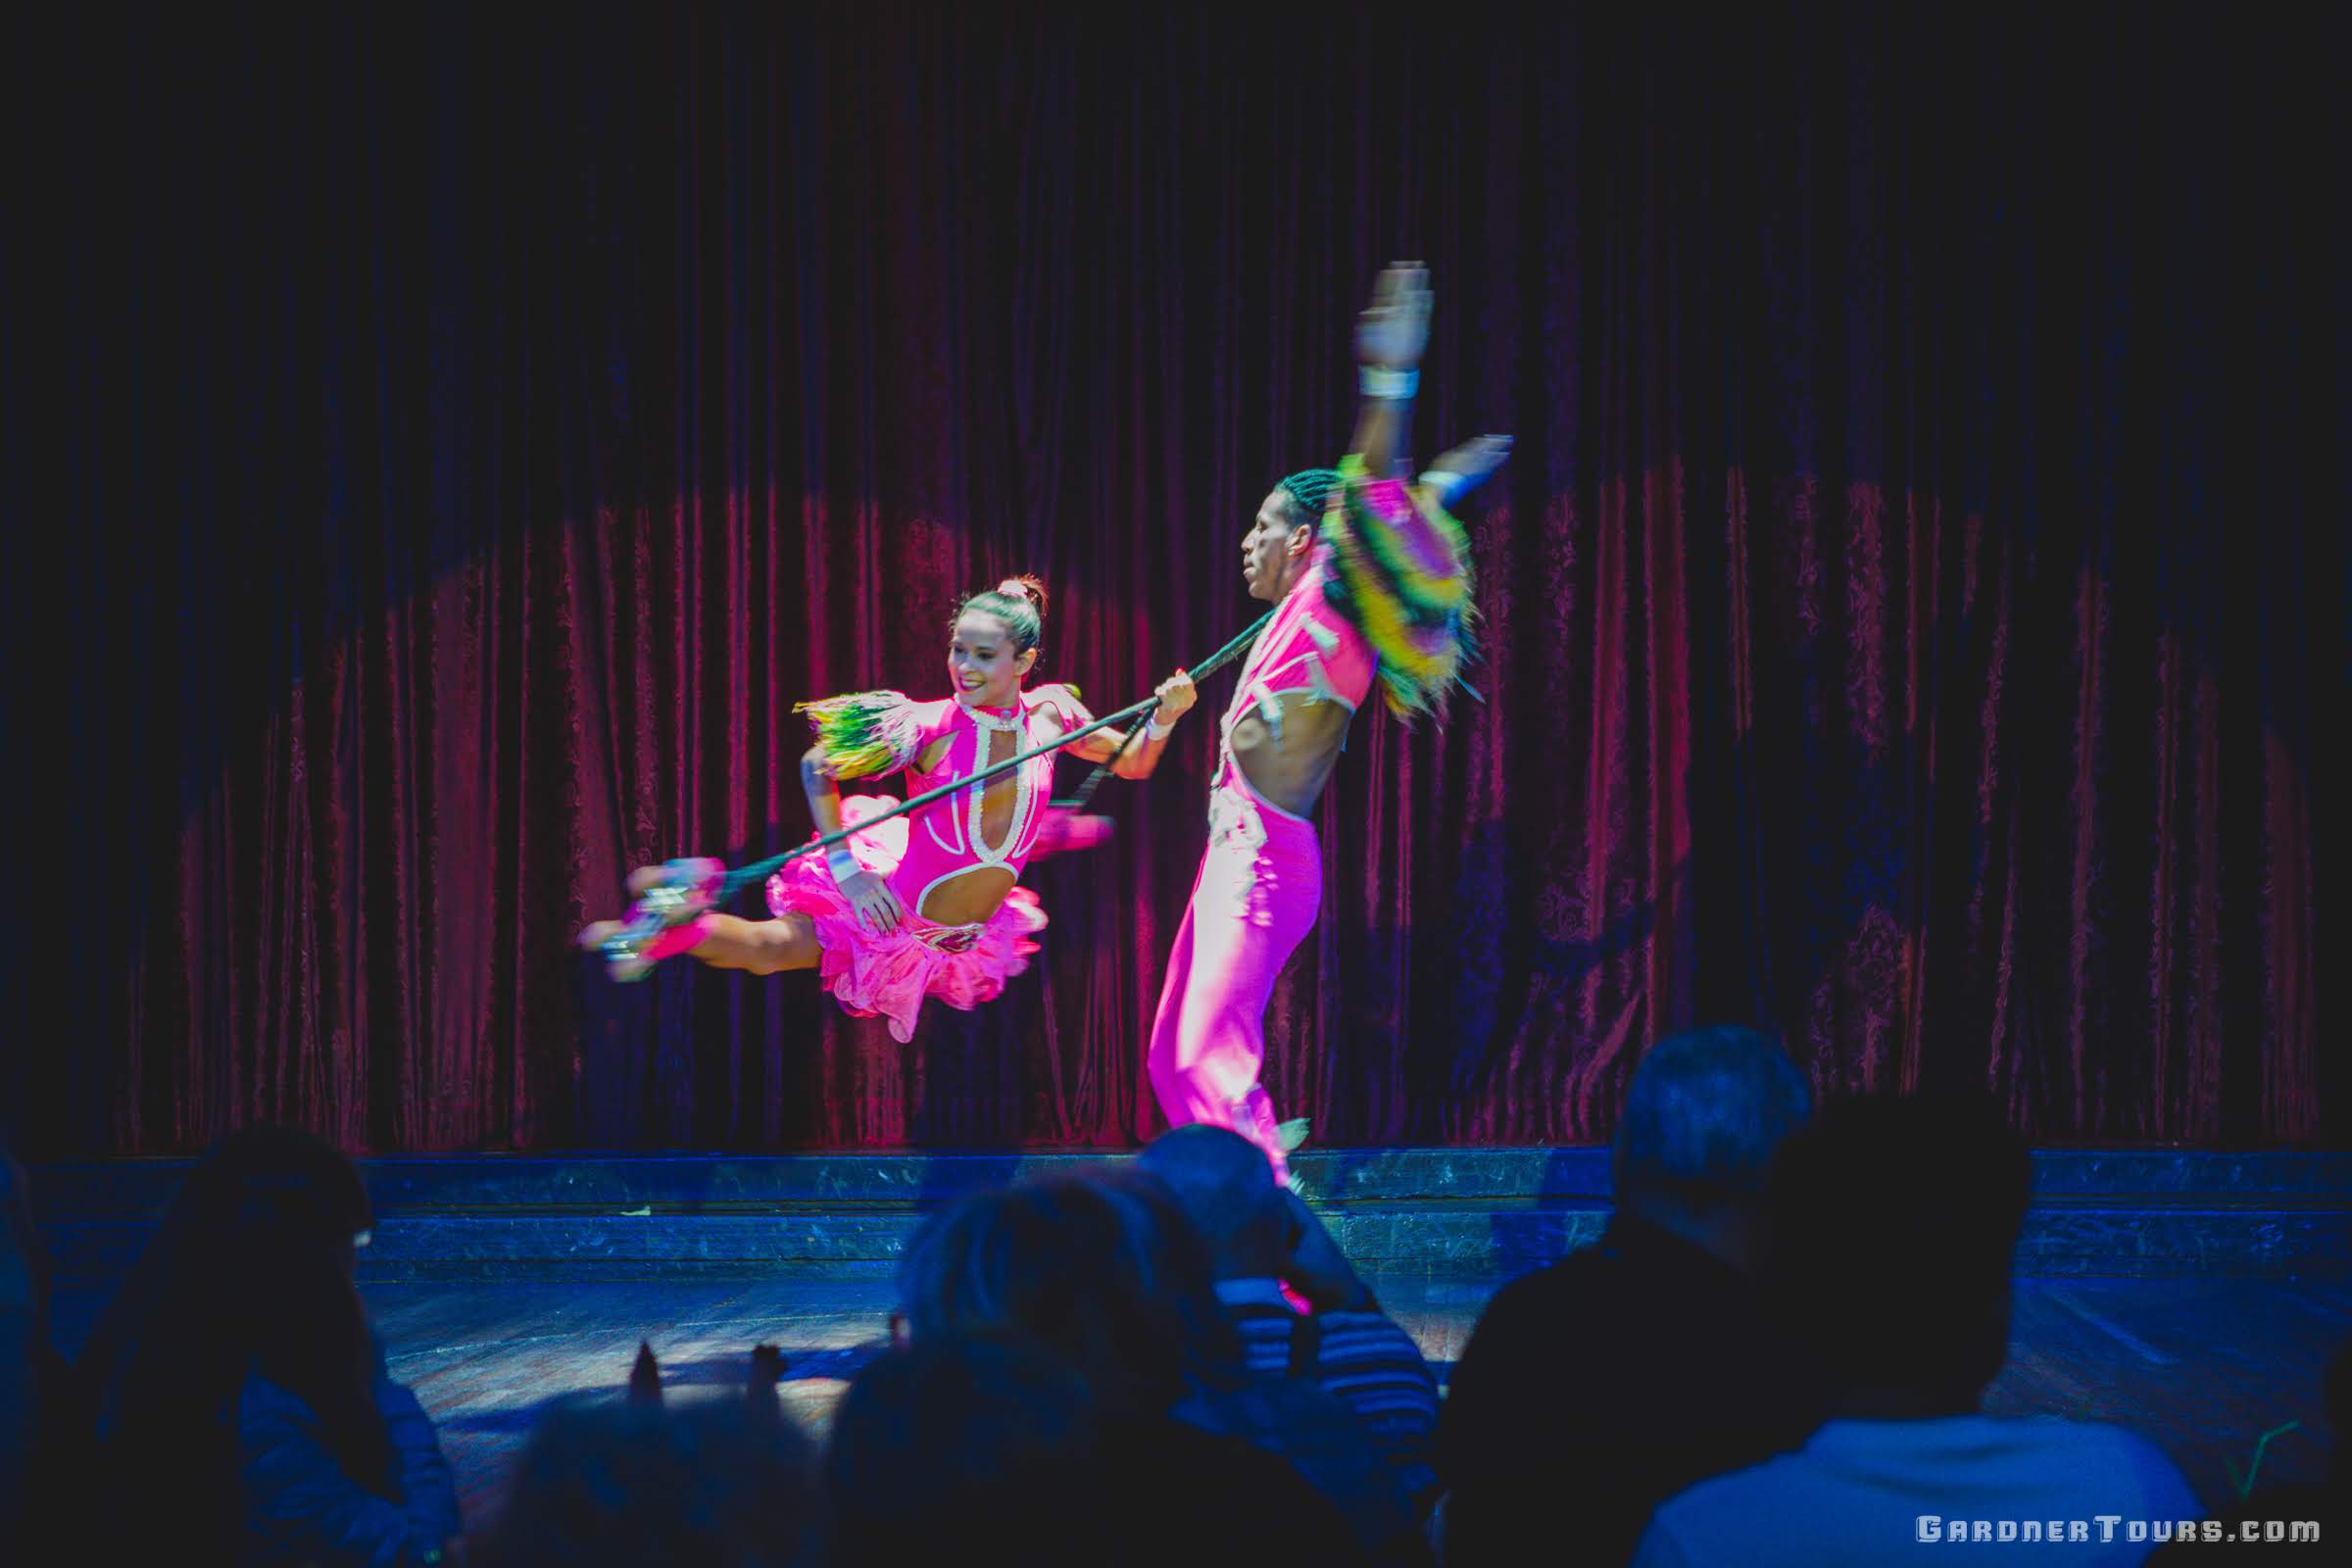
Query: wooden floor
{"type": "Point", "coordinates": [2201, 1367]}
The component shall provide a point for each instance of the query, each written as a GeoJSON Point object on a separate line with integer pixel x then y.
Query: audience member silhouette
{"type": "Point", "coordinates": [956, 1447]}
{"type": "Point", "coordinates": [1105, 1271]}
{"type": "Point", "coordinates": [1259, 1238]}
{"type": "Point", "coordinates": [1894, 1225]}
{"type": "Point", "coordinates": [966, 1448]}
{"type": "Point", "coordinates": [235, 1390]}
{"type": "Point", "coordinates": [1594, 1389]}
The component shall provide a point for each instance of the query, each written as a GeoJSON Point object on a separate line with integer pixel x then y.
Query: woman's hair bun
{"type": "Point", "coordinates": [1025, 587]}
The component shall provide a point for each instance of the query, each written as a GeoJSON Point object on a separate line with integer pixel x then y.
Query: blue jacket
{"type": "Point", "coordinates": [300, 1507]}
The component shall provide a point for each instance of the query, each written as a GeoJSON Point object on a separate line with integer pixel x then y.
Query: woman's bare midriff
{"type": "Point", "coordinates": [1291, 772]}
{"type": "Point", "coordinates": [969, 897]}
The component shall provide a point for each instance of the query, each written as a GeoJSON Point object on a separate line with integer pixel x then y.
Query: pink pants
{"type": "Point", "coordinates": [1259, 889]}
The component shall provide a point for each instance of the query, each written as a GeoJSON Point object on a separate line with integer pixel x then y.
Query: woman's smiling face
{"type": "Point", "coordinates": [982, 661]}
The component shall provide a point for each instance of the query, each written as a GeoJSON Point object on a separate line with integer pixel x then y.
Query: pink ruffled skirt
{"type": "Point", "coordinates": [888, 976]}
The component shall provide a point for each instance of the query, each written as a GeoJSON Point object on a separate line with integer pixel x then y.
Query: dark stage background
{"type": "Point", "coordinates": [442, 443]}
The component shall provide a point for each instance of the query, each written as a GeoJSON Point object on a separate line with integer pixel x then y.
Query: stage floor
{"type": "Point", "coordinates": [2202, 1368]}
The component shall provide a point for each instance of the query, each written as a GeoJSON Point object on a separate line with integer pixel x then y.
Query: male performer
{"type": "Point", "coordinates": [1382, 587]}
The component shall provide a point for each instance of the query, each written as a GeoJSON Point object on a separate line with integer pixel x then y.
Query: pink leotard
{"type": "Point", "coordinates": [945, 840]}
{"type": "Point", "coordinates": [868, 734]}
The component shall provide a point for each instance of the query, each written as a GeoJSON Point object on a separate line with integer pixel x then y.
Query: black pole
{"type": "Point", "coordinates": [759, 870]}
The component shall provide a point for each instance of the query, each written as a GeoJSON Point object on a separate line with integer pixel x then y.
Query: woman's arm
{"type": "Point", "coordinates": [876, 904]}
{"type": "Point", "coordinates": [1141, 755]}
{"type": "Point", "coordinates": [862, 735]}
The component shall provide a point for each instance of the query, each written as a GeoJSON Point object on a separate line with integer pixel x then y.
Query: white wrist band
{"type": "Point", "coordinates": [1156, 731]}
{"type": "Point", "coordinates": [842, 864]}
{"type": "Point", "coordinates": [1388, 387]}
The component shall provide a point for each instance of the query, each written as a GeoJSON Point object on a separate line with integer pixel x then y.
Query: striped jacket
{"type": "Point", "coordinates": [1362, 1357]}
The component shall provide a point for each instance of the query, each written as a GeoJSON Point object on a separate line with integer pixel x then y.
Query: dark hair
{"type": "Point", "coordinates": [629, 1480]}
{"type": "Point", "coordinates": [1103, 1269]}
{"type": "Point", "coordinates": [1019, 603]}
{"type": "Point", "coordinates": [1895, 1222]}
{"type": "Point", "coordinates": [1309, 489]}
{"type": "Point", "coordinates": [1703, 1115]}
{"type": "Point", "coordinates": [961, 1447]}
{"type": "Point", "coordinates": [991, 1447]}
{"type": "Point", "coordinates": [250, 1274]}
